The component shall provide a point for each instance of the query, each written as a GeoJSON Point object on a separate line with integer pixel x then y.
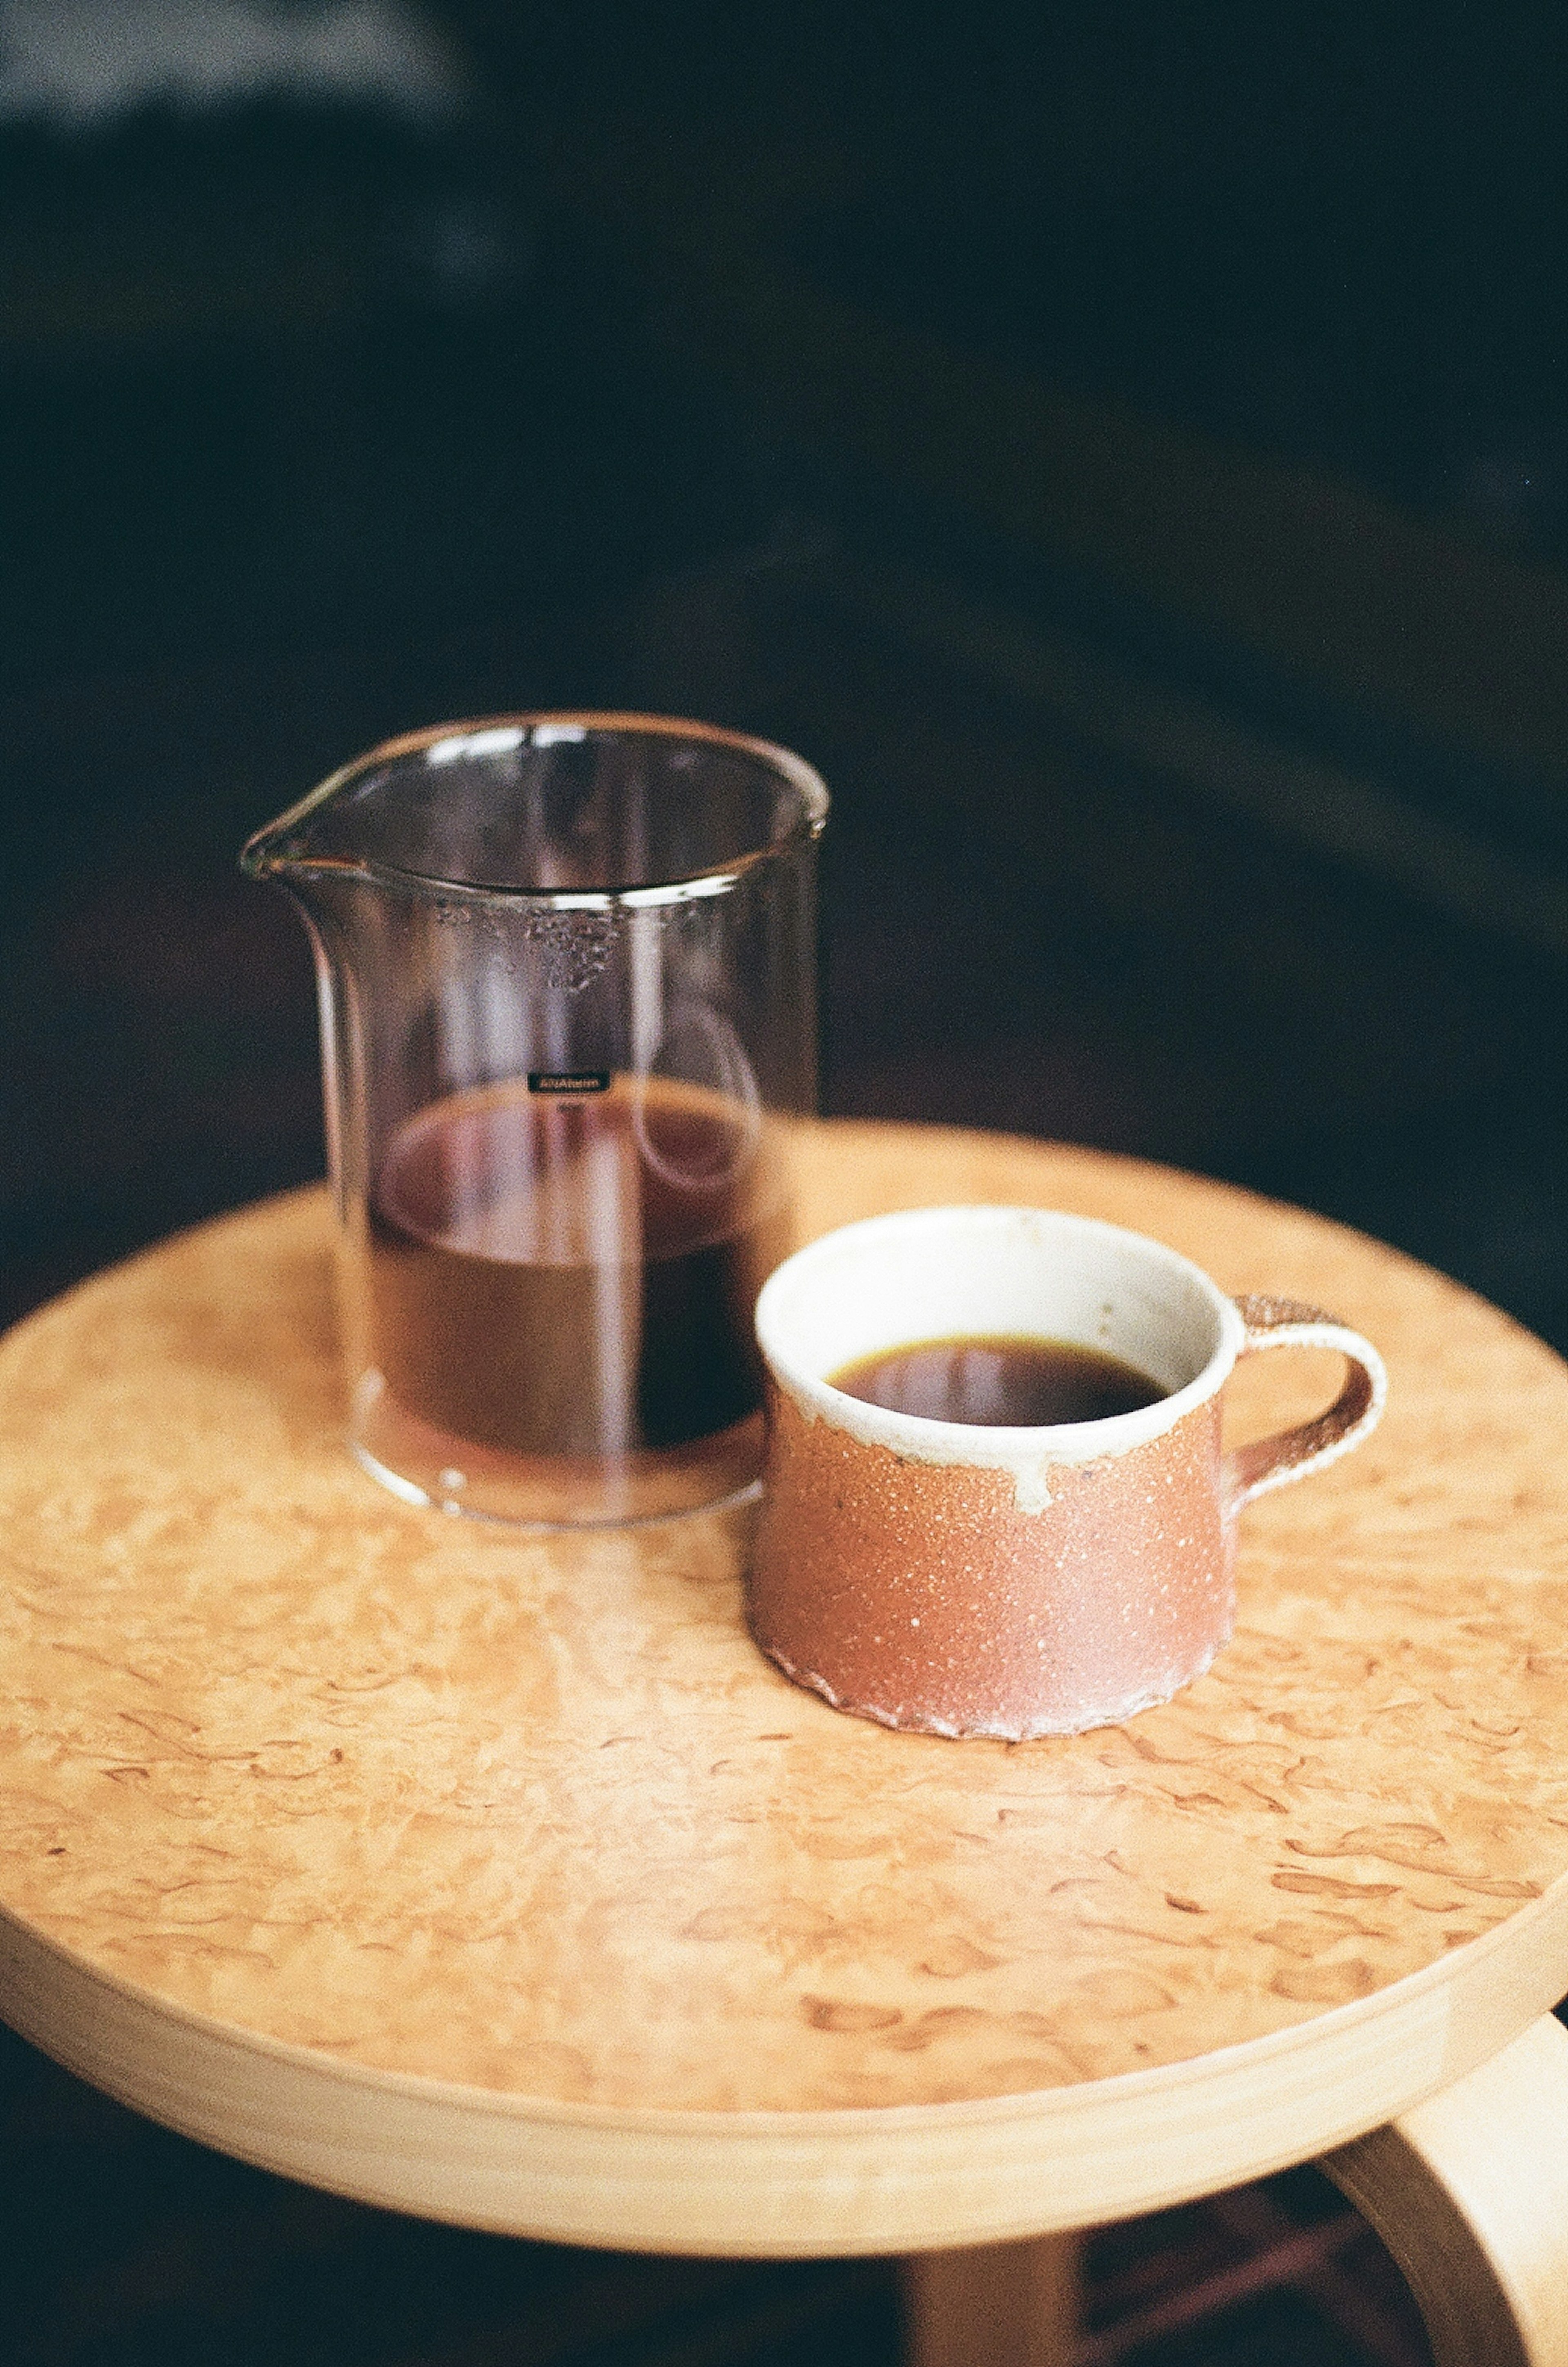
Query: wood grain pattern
{"type": "Point", "coordinates": [500, 1877]}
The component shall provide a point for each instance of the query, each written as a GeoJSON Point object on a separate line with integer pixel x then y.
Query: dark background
{"type": "Point", "coordinates": [1124, 447]}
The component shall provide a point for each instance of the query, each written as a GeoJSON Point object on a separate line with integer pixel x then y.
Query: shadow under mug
{"type": "Point", "coordinates": [952, 1579]}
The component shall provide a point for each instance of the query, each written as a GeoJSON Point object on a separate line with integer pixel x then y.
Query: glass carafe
{"type": "Point", "coordinates": [566, 970]}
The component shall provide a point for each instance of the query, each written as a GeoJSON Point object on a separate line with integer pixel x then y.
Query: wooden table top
{"type": "Point", "coordinates": [496, 1875]}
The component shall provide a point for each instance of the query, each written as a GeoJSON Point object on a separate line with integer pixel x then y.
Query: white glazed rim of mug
{"type": "Point", "coordinates": [1021, 1232]}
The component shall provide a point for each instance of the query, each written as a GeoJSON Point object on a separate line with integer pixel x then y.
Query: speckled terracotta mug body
{"type": "Point", "coordinates": [959, 1580]}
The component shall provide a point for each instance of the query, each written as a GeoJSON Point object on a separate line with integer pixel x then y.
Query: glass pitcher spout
{"type": "Point", "coordinates": [558, 805]}
{"type": "Point", "coordinates": [566, 967]}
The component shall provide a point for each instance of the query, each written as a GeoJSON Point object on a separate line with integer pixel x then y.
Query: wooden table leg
{"type": "Point", "coordinates": [1470, 2192]}
{"type": "Point", "coordinates": [995, 2305]}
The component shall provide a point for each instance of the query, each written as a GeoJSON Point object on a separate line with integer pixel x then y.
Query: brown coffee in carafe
{"type": "Point", "coordinates": [573, 1275]}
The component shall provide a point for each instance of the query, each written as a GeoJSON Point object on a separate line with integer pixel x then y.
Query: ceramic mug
{"type": "Point", "coordinates": [951, 1578]}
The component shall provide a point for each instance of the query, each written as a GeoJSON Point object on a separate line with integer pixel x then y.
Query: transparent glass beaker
{"type": "Point", "coordinates": [566, 967]}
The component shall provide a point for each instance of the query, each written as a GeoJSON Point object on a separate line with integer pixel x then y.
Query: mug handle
{"type": "Point", "coordinates": [1355, 1413]}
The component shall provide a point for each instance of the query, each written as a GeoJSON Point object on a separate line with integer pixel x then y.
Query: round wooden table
{"type": "Point", "coordinates": [496, 1877]}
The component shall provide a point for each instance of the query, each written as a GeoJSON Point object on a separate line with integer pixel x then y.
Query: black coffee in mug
{"type": "Point", "coordinates": [999, 1380]}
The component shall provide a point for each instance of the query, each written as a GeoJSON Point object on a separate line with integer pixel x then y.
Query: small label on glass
{"type": "Point", "coordinates": [568, 1080]}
